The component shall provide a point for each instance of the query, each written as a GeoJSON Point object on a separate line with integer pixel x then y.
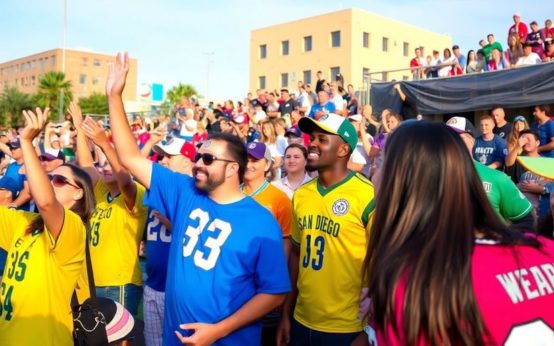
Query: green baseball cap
{"type": "Point", "coordinates": [333, 124]}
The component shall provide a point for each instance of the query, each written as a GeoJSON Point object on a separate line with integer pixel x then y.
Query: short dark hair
{"type": "Point", "coordinates": [319, 71]}
{"type": "Point", "coordinates": [285, 90]}
{"type": "Point", "coordinates": [489, 35]}
{"type": "Point", "coordinates": [236, 149]}
{"type": "Point", "coordinates": [544, 108]}
{"type": "Point", "coordinates": [531, 132]}
{"type": "Point", "coordinates": [300, 147]}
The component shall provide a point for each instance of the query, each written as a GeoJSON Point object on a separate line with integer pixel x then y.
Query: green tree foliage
{"type": "Point", "coordinates": [49, 87]}
{"type": "Point", "coordinates": [96, 103]}
{"type": "Point", "coordinates": [175, 94]}
{"type": "Point", "coordinates": [12, 103]}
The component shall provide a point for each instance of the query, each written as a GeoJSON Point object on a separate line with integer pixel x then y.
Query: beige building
{"type": "Point", "coordinates": [87, 72]}
{"type": "Point", "coordinates": [352, 41]}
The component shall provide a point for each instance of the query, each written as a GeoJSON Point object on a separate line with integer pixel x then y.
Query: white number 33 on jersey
{"type": "Point", "coordinates": [207, 257]}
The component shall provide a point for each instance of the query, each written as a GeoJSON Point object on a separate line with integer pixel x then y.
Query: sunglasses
{"type": "Point", "coordinates": [59, 181]}
{"type": "Point", "coordinates": [208, 159]}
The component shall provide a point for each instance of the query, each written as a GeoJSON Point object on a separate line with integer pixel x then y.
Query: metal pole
{"type": "Point", "coordinates": [61, 95]}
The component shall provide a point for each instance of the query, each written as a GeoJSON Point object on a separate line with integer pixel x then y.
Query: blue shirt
{"type": "Point", "coordinates": [488, 152]}
{"type": "Point", "coordinates": [158, 239]}
{"type": "Point", "coordinates": [546, 133]}
{"type": "Point", "coordinates": [329, 107]}
{"type": "Point", "coordinates": [221, 255]}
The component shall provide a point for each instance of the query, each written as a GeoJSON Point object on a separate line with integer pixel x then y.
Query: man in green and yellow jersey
{"type": "Point", "coordinates": [330, 231]}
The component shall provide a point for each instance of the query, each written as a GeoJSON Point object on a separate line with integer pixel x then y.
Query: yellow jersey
{"type": "Point", "coordinates": [115, 236]}
{"type": "Point", "coordinates": [331, 227]}
{"type": "Point", "coordinates": [39, 279]}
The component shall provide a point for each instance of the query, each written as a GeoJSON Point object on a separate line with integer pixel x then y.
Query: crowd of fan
{"type": "Point", "coordinates": [524, 47]}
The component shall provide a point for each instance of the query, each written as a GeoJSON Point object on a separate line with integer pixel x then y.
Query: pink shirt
{"type": "Point", "coordinates": [515, 312]}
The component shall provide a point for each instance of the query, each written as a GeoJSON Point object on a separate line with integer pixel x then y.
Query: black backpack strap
{"type": "Point", "coordinates": [90, 276]}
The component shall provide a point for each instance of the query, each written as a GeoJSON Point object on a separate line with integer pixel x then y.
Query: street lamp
{"type": "Point", "coordinates": [61, 95]}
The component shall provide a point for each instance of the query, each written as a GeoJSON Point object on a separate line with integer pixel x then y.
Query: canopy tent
{"type": "Point", "coordinates": [514, 88]}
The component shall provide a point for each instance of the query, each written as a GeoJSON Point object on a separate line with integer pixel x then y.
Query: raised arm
{"type": "Point", "coordinates": [83, 155]}
{"type": "Point", "coordinates": [125, 144]}
{"type": "Point", "coordinates": [50, 209]}
{"type": "Point", "coordinates": [123, 179]}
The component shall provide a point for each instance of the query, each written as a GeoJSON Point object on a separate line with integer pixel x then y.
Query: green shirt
{"type": "Point", "coordinates": [503, 194]}
{"type": "Point", "coordinates": [487, 50]}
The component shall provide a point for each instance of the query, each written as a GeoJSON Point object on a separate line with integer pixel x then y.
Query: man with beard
{"type": "Point", "coordinates": [225, 271]}
{"type": "Point", "coordinates": [330, 233]}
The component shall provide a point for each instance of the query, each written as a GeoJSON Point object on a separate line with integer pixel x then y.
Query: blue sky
{"type": "Point", "coordinates": [173, 40]}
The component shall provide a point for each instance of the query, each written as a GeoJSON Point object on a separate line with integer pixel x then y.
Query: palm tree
{"type": "Point", "coordinates": [96, 103]}
{"type": "Point", "coordinates": [179, 91]}
{"type": "Point", "coordinates": [50, 87]}
{"type": "Point", "coordinates": [12, 102]}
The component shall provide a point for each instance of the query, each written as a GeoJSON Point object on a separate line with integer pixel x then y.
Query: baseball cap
{"type": "Point", "coordinates": [293, 131]}
{"type": "Point", "coordinates": [120, 323]}
{"type": "Point", "coordinates": [455, 47]}
{"type": "Point", "coordinates": [176, 146]}
{"type": "Point", "coordinates": [541, 166]}
{"type": "Point", "coordinates": [14, 144]}
{"type": "Point", "coordinates": [7, 183]}
{"type": "Point", "coordinates": [461, 125]}
{"type": "Point", "coordinates": [258, 150]}
{"type": "Point", "coordinates": [53, 154]}
{"type": "Point", "coordinates": [333, 124]}
{"type": "Point", "coordinates": [519, 118]}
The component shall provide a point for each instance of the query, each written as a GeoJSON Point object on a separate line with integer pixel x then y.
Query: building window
{"type": "Point", "coordinates": [307, 76]}
{"type": "Point", "coordinates": [307, 44]}
{"type": "Point", "coordinates": [335, 39]}
{"type": "Point", "coordinates": [53, 60]}
{"type": "Point", "coordinates": [82, 78]}
{"type": "Point", "coordinates": [84, 62]}
{"type": "Point", "coordinates": [365, 40]}
{"type": "Point", "coordinates": [385, 76]}
{"type": "Point", "coordinates": [263, 51]}
{"type": "Point", "coordinates": [96, 62]}
{"type": "Point", "coordinates": [95, 80]}
{"type": "Point", "coordinates": [406, 49]}
{"type": "Point", "coordinates": [33, 79]}
{"type": "Point", "coordinates": [334, 72]}
{"type": "Point", "coordinates": [385, 44]}
{"type": "Point", "coordinates": [284, 80]}
{"type": "Point", "coordinates": [285, 47]}
{"type": "Point", "coordinates": [261, 82]}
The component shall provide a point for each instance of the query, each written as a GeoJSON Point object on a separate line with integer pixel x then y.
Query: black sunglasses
{"type": "Point", "coordinates": [59, 181]}
{"type": "Point", "coordinates": [208, 159]}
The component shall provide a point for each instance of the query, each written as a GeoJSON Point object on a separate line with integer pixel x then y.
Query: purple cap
{"type": "Point", "coordinates": [258, 151]}
{"type": "Point", "coordinates": [293, 131]}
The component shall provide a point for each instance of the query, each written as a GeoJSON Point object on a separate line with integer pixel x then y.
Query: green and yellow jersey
{"type": "Point", "coordinates": [331, 227]}
{"type": "Point", "coordinates": [115, 238]}
{"type": "Point", "coordinates": [39, 279]}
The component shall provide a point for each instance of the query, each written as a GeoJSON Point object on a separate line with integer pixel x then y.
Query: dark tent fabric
{"type": "Point", "coordinates": [513, 88]}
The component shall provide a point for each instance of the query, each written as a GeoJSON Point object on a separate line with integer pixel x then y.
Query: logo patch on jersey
{"type": "Point", "coordinates": [323, 117]}
{"type": "Point", "coordinates": [251, 145]}
{"type": "Point", "coordinates": [487, 187]}
{"type": "Point", "coordinates": [340, 207]}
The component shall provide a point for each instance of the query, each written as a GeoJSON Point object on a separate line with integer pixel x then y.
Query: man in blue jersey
{"type": "Point", "coordinates": [224, 271]}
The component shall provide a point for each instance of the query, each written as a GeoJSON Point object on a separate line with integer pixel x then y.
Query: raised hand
{"type": "Point", "coordinates": [76, 115]}
{"type": "Point", "coordinates": [34, 123]}
{"type": "Point", "coordinates": [117, 75]}
{"type": "Point", "coordinates": [94, 132]}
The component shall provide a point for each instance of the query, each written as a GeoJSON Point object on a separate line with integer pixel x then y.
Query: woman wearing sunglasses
{"type": "Point", "coordinates": [46, 251]}
{"type": "Point", "coordinates": [119, 220]}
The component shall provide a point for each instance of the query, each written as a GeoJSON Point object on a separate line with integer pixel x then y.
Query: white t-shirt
{"type": "Point", "coordinates": [531, 59]}
{"type": "Point", "coordinates": [190, 123]}
{"type": "Point", "coordinates": [259, 116]}
{"type": "Point", "coordinates": [339, 102]}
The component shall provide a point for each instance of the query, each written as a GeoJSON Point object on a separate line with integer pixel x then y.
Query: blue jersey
{"type": "Point", "coordinates": [221, 255]}
{"type": "Point", "coordinates": [158, 239]}
{"type": "Point", "coordinates": [329, 107]}
{"type": "Point", "coordinates": [546, 133]}
{"type": "Point", "coordinates": [487, 152]}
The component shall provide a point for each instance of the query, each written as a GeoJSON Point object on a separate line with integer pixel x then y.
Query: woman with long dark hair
{"type": "Point", "coordinates": [46, 251]}
{"type": "Point", "coordinates": [441, 267]}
